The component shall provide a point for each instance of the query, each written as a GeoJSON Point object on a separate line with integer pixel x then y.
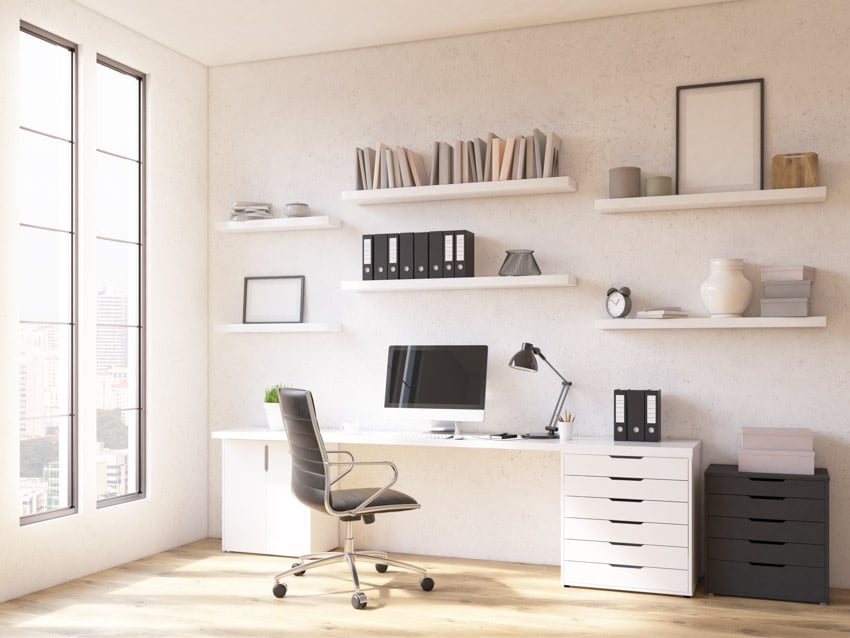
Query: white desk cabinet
{"type": "Point", "coordinates": [259, 513]}
{"type": "Point", "coordinates": [629, 515]}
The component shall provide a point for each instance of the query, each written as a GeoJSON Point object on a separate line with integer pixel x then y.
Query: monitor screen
{"type": "Point", "coordinates": [449, 381]}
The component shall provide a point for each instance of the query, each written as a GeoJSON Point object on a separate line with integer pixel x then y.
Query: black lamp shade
{"type": "Point", "coordinates": [524, 359]}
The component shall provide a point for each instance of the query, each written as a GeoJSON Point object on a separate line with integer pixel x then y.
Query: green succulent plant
{"type": "Point", "coordinates": [271, 393]}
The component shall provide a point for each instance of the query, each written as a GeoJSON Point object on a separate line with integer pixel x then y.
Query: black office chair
{"type": "Point", "coordinates": [312, 484]}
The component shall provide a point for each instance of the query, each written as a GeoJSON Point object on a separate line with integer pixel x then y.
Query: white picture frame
{"type": "Point", "coordinates": [720, 137]}
{"type": "Point", "coordinates": [275, 299]}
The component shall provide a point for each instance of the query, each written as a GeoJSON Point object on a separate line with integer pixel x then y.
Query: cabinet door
{"type": "Point", "coordinates": [243, 496]}
{"type": "Point", "coordinates": [289, 521]}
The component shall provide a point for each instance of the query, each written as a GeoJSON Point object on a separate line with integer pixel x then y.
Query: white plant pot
{"type": "Point", "coordinates": [726, 292]}
{"type": "Point", "coordinates": [273, 416]}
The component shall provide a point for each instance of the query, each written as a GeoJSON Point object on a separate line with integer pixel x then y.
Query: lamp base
{"type": "Point", "coordinates": [550, 435]}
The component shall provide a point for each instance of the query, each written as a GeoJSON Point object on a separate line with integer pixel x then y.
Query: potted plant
{"type": "Point", "coordinates": [272, 406]}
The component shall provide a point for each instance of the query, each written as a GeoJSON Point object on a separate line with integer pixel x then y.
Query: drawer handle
{"type": "Point", "coordinates": [766, 542]}
{"type": "Point", "coordinates": [766, 565]}
{"type": "Point", "coordinates": [624, 478]}
{"type": "Point", "coordinates": [768, 498]}
{"type": "Point", "coordinates": [767, 480]}
{"type": "Point", "coordinates": [619, 456]}
{"type": "Point", "coordinates": [626, 500]}
{"type": "Point", "coordinates": [625, 566]}
{"type": "Point", "coordinates": [625, 522]}
{"type": "Point", "coordinates": [766, 520]}
{"type": "Point", "coordinates": [625, 544]}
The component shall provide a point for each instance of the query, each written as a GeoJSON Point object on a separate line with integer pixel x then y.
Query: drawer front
{"type": "Point", "coordinates": [625, 532]}
{"type": "Point", "coordinates": [655, 489]}
{"type": "Point", "coordinates": [783, 509]}
{"type": "Point", "coordinates": [793, 488]}
{"type": "Point", "coordinates": [626, 466]}
{"type": "Point", "coordinates": [779, 531]}
{"type": "Point", "coordinates": [626, 554]}
{"type": "Point", "coordinates": [639, 511]}
{"type": "Point", "coordinates": [652, 579]}
{"type": "Point", "coordinates": [798, 554]}
{"type": "Point", "coordinates": [805, 584]}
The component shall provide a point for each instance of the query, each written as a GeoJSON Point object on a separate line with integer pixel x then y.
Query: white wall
{"type": "Point", "coordinates": [175, 510]}
{"type": "Point", "coordinates": [286, 130]}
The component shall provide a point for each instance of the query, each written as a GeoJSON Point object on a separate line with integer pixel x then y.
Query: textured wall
{"type": "Point", "coordinates": [287, 129]}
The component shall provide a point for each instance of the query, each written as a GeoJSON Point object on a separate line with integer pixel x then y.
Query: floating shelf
{"type": "Point", "coordinates": [710, 322]}
{"type": "Point", "coordinates": [461, 283]}
{"type": "Point", "coordinates": [278, 327]}
{"type": "Point", "coordinates": [319, 222]}
{"type": "Point", "coordinates": [712, 200]}
{"type": "Point", "coordinates": [508, 188]}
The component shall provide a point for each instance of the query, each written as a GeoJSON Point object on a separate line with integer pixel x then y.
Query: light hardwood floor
{"type": "Point", "coordinates": [197, 590]}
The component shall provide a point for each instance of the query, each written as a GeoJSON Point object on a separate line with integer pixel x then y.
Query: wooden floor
{"type": "Point", "coordinates": [197, 590]}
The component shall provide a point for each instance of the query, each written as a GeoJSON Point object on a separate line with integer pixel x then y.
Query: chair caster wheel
{"type": "Point", "coordinates": [427, 584]}
{"type": "Point", "coordinates": [380, 568]}
{"type": "Point", "coordinates": [358, 600]}
{"type": "Point", "coordinates": [302, 572]}
{"type": "Point", "coordinates": [279, 590]}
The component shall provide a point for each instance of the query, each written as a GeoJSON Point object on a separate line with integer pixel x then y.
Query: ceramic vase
{"type": "Point", "coordinates": [726, 292]}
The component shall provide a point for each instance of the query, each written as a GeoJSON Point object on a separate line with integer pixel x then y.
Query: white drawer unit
{"type": "Point", "coordinates": [629, 515]}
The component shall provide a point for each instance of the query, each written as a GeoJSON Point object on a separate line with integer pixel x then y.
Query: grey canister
{"type": "Point", "coordinates": [659, 185]}
{"type": "Point", "coordinates": [624, 181]}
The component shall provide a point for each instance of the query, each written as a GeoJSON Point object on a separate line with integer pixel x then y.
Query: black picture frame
{"type": "Point", "coordinates": [273, 299]}
{"type": "Point", "coordinates": [720, 136]}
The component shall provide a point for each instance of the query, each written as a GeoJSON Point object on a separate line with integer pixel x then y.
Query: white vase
{"type": "Point", "coordinates": [273, 416]}
{"type": "Point", "coordinates": [726, 292]}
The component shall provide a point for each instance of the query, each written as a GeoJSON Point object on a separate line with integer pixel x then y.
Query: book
{"type": "Point", "coordinates": [457, 162]}
{"type": "Point", "coordinates": [507, 158]}
{"type": "Point", "coordinates": [464, 162]}
{"type": "Point", "coordinates": [445, 163]}
{"type": "Point", "coordinates": [488, 159]}
{"type": "Point", "coordinates": [417, 168]}
{"type": "Point", "coordinates": [470, 157]}
{"type": "Point", "coordinates": [479, 148]}
{"type": "Point", "coordinates": [368, 166]}
{"type": "Point", "coordinates": [404, 166]}
{"type": "Point", "coordinates": [498, 153]}
{"type": "Point", "coordinates": [379, 161]}
{"type": "Point", "coordinates": [550, 157]}
{"type": "Point", "coordinates": [396, 169]}
{"type": "Point", "coordinates": [529, 157]}
{"type": "Point", "coordinates": [661, 313]}
{"type": "Point", "coordinates": [387, 175]}
{"type": "Point", "coordinates": [519, 159]}
{"type": "Point", "coordinates": [361, 173]}
{"type": "Point", "coordinates": [539, 152]}
{"type": "Point", "coordinates": [435, 164]}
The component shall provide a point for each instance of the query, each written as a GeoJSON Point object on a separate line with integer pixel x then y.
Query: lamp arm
{"type": "Point", "coordinates": [559, 404]}
{"type": "Point", "coordinates": [541, 355]}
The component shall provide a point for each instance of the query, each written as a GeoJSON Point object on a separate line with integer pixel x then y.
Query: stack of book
{"type": "Point", "coordinates": [241, 211]}
{"type": "Point", "coordinates": [671, 312]}
{"type": "Point", "coordinates": [787, 290]}
{"type": "Point", "coordinates": [461, 162]}
{"type": "Point", "coordinates": [777, 451]}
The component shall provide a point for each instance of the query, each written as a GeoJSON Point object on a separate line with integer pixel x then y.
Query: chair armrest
{"type": "Point", "coordinates": [377, 492]}
{"type": "Point", "coordinates": [349, 463]}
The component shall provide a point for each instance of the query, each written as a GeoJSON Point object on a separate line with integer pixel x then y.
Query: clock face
{"type": "Point", "coordinates": [618, 304]}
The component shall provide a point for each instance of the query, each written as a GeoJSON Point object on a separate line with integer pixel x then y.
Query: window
{"type": "Point", "coordinates": [47, 277]}
{"type": "Point", "coordinates": [120, 283]}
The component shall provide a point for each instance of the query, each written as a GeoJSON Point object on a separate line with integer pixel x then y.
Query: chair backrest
{"type": "Point", "coordinates": [306, 447]}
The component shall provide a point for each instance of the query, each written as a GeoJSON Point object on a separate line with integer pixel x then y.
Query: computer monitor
{"type": "Point", "coordinates": [437, 383]}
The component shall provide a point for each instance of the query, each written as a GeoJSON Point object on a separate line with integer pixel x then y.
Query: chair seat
{"type": "Point", "coordinates": [346, 500]}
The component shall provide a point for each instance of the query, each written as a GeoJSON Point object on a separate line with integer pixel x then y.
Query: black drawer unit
{"type": "Point", "coordinates": [767, 535]}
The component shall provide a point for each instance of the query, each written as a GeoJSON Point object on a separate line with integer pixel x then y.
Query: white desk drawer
{"type": "Point", "coordinates": [604, 486]}
{"type": "Point", "coordinates": [641, 511]}
{"type": "Point", "coordinates": [638, 555]}
{"type": "Point", "coordinates": [671, 581]}
{"type": "Point", "coordinates": [621, 532]}
{"type": "Point", "coordinates": [630, 465]}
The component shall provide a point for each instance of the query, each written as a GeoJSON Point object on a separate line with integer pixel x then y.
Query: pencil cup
{"type": "Point", "coordinates": [565, 430]}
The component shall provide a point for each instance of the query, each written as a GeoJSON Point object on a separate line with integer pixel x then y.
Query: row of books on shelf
{"type": "Point", "coordinates": [461, 162]}
{"type": "Point", "coordinates": [427, 255]}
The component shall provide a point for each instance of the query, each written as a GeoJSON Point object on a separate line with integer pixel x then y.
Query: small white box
{"type": "Point", "coordinates": [799, 439]}
{"type": "Point", "coordinates": [785, 307]}
{"type": "Point", "coordinates": [776, 461]}
{"type": "Point", "coordinates": [788, 289]}
{"type": "Point", "coordinates": [787, 273]}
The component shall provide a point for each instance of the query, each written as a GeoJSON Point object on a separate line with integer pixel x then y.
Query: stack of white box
{"type": "Point", "coordinates": [787, 290]}
{"type": "Point", "coordinates": [777, 450]}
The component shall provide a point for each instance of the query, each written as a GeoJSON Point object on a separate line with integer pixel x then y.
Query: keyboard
{"type": "Point", "coordinates": [423, 435]}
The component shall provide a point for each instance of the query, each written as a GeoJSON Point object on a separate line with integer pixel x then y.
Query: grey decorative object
{"type": "Point", "coordinates": [659, 185]}
{"type": "Point", "coordinates": [624, 181]}
{"type": "Point", "coordinates": [519, 262]}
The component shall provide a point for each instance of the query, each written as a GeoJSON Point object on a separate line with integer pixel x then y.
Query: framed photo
{"type": "Point", "coordinates": [273, 299]}
{"type": "Point", "coordinates": [720, 137]}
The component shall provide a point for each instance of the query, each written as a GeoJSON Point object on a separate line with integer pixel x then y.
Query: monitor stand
{"type": "Point", "coordinates": [447, 427]}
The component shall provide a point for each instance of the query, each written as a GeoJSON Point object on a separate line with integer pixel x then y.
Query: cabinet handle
{"type": "Point", "coordinates": [768, 498]}
{"type": "Point", "coordinates": [625, 522]}
{"type": "Point", "coordinates": [625, 544]}
{"type": "Point", "coordinates": [626, 566]}
{"type": "Point", "coordinates": [767, 480]}
{"type": "Point", "coordinates": [766, 542]}
{"type": "Point", "coordinates": [266, 458]}
{"type": "Point", "coordinates": [624, 478]}
{"type": "Point", "coordinates": [626, 500]}
{"type": "Point", "coordinates": [765, 520]}
{"type": "Point", "coordinates": [620, 456]}
{"type": "Point", "coordinates": [766, 565]}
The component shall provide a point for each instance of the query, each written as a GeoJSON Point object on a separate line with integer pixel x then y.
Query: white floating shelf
{"type": "Point", "coordinates": [319, 222]}
{"type": "Point", "coordinates": [710, 322]}
{"type": "Point", "coordinates": [508, 188]}
{"type": "Point", "coordinates": [712, 200]}
{"type": "Point", "coordinates": [278, 327]}
{"type": "Point", "coordinates": [461, 283]}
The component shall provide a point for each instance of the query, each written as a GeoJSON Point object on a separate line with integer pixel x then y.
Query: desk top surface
{"type": "Point", "coordinates": [470, 441]}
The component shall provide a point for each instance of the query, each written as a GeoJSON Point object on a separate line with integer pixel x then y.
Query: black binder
{"type": "Point", "coordinates": [392, 256]}
{"type": "Point", "coordinates": [405, 256]}
{"type": "Point", "coordinates": [420, 255]}
{"type": "Point", "coordinates": [620, 424]}
{"type": "Point", "coordinates": [368, 252]}
{"type": "Point", "coordinates": [652, 432]}
{"type": "Point", "coordinates": [435, 254]}
{"type": "Point", "coordinates": [636, 414]}
{"type": "Point", "coordinates": [379, 256]}
{"type": "Point", "coordinates": [448, 253]}
{"type": "Point", "coordinates": [464, 253]}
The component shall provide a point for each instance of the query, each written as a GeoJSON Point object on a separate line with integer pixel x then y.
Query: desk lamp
{"type": "Point", "coordinates": [526, 359]}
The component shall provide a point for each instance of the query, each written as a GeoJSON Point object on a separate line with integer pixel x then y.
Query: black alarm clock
{"type": "Point", "coordinates": [619, 302]}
